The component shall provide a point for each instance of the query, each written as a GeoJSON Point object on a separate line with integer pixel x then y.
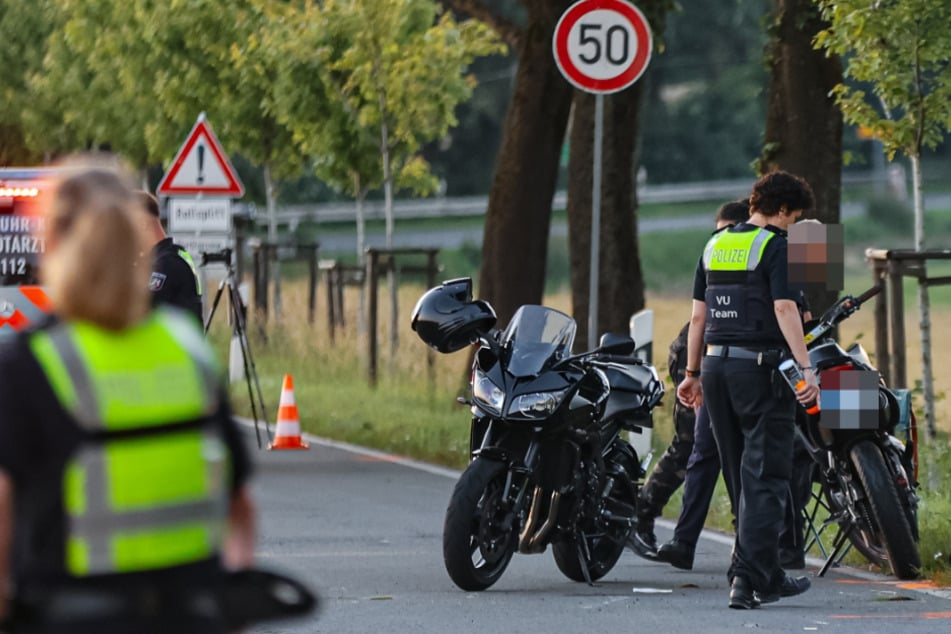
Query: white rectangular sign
{"type": "Point", "coordinates": [212, 215]}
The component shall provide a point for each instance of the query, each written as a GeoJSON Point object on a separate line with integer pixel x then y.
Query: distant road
{"type": "Point", "coordinates": [334, 241]}
{"type": "Point", "coordinates": [455, 238]}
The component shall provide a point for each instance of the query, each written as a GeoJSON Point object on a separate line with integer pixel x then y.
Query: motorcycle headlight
{"type": "Point", "coordinates": [537, 404]}
{"type": "Point", "coordinates": [487, 394]}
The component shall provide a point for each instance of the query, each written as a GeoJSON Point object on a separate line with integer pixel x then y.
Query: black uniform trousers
{"type": "Point", "coordinates": [700, 482]}
{"type": "Point", "coordinates": [752, 414]}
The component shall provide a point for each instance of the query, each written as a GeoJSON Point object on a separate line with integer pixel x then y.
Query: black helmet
{"type": "Point", "coordinates": [447, 319]}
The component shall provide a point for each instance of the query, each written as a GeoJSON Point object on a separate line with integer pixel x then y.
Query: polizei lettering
{"type": "Point", "coordinates": [729, 256]}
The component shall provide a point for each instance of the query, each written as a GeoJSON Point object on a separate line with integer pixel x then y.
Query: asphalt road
{"type": "Point", "coordinates": [364, 530]}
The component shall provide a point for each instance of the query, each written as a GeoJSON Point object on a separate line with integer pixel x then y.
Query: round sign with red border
{"type": "Point", "coordinates": [602, 46]}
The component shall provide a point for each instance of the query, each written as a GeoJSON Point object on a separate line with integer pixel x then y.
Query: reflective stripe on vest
{"type": "Point", "coordinates": [143, 501]}
{"type": "Point", "coordinates": [736, 251]}
{"type": "Point", "coordinates": [185, 255]}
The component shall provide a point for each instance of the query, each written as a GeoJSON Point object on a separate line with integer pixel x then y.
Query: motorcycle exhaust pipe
{"type": "Point", "coordinates": [537, 542]}
{"type": "Point", "coordinates": [524, 538]}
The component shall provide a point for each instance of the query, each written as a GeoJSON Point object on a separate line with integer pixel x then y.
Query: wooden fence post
{"type": "Point", "coordinates": [312, 282]}
{"type": "Point", "coordinates": [898, 374]}
{"type": "Point", "coordinates": [882, 355]}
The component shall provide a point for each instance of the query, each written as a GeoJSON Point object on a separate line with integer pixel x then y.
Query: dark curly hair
{"type": "Point", "coordinates": [780, 189]}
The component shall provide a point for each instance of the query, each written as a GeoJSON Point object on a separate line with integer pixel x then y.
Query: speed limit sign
{"type": "Point", "coordinates": [602, 46]}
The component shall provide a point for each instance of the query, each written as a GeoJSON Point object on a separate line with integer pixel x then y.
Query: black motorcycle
{"type": "Point", "coordinates": [867, 474]}
{"type": "Point", "coordinates": [548, 463]}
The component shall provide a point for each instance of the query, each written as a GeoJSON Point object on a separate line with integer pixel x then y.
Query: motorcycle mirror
{"type": "Point", "coordinates": [612, 343]}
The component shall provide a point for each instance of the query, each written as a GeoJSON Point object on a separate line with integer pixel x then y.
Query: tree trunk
{"type": "Point", "coordinates": [803, 124]}
{"type": "Point", "coordinates": [270, 193]}
{"type": "Point", "coordinates": [361, 196]}
{"type": "Point", "coordinates": [388, 212]}
{"type": "Point", "coordinates": [621, 282]}
{"type": "Point", "coordinates": [515, 243]}
{"type": "Point", "coordinates": [924, 304]}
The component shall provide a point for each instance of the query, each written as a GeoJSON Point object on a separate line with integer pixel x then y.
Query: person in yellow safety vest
{"type": "Point", "coordinates": [121, 470]}
{"type": "Point", "coordinates": [174, 279]}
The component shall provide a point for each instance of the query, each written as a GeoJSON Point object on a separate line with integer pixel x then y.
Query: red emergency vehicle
{"type": "Point", "coordinates": [22, 301]}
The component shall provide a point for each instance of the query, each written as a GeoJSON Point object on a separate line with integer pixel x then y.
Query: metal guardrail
{"type": "Point", "coordinates": [477, 205]}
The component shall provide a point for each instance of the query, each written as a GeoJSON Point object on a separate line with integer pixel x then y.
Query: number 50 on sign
{"type": "Point", "coordinates": [602, 46]}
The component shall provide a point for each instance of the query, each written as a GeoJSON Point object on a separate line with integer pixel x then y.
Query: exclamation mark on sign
{"type": "Point", "coordinates": [201, 163]}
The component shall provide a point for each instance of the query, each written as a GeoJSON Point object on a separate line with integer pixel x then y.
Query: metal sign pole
{"type": "Point", "coordinates": [595, 222]}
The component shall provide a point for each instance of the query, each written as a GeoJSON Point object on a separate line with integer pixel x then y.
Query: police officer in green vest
{"type": "Point", "coordinates": [122, 473]}
{"type": "Point", "coordinates": [174, 279]}
{"type": "Point", "coordinates": [744, 322]}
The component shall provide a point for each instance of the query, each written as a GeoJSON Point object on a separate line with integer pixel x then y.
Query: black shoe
{"type": "Point", "coordinates": [643, 543]}
{"type": "Point", "coordinates": [790, 587]}
{"type": "Point", "coordinates": [792, 559]}
{"type": "Point", "coordinates": [742, 596]}
{"type": "Point", "coordinates": [677, 554]}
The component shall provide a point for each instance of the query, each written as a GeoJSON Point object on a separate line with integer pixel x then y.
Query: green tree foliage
{"type": "Point", "coordinates": [364, 84]}
{"type": "Point", "coordinates": [312, 103]}
{"type": "Point", "coordinates": [401, 72]}
{"type": "Point", "coordinates": [899, 50]}
{"type": "Point", "coordinates": [24, 28]}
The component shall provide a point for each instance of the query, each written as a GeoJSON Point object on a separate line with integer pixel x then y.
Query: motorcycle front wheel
{"type": "Point", "coordinates": [891, 540]}
{"type": "Point", "coordinates": [479, 534]}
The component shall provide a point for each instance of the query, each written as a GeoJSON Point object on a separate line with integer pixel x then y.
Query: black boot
{"type": "Point", "coordinates": [677, 554]}
{"type": "Point", "coordinates": [741, 595]}
{"type": "Point", "coordinates": [790, 587]}
{"type": "Point", "coordinates": [642, 540]}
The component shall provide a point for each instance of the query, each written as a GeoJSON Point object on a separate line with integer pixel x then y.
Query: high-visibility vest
{"type": "Point", "coordinates": [149, 488]}
{"type": "Point", "coordinates": [738, 302]}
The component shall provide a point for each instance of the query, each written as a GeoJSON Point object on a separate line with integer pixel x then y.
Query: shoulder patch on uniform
{"type": "Point", "coordinates": [157, 281]}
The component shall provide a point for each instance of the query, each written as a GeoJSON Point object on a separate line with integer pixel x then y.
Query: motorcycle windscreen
{"type": "Point", "coordinates": [536, 338]}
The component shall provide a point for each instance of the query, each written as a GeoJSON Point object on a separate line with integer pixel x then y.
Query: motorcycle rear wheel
{"type": "Point", "coordinates": [893, 543]}
{"type": "Point", "coordinates": [479, 537]}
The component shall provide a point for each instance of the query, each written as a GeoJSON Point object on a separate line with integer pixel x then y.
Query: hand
{"type": "Point", "coordinates": [810, 391]}
{"type": "Point", "coordinates": [690, 392]}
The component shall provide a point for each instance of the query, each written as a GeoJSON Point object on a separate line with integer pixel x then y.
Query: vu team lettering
{"type": "Point", "coordinates": [723, 300]}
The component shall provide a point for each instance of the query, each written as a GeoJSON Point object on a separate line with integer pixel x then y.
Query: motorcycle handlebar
{"type": "Point", "coordinates": [869, 294]}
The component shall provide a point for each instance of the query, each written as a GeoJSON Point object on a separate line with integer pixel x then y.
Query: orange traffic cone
{"type": "Point", "coordinates": [287, 435]}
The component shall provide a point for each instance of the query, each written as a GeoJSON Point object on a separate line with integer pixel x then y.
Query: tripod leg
{"type": "Point", "coordinates": [214, 306]}
{"type": "Point", "coordinates": [250, 371]}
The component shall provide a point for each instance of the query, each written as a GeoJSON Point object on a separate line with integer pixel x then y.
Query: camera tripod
{"type": "Point", "coordinates": [238, 311]}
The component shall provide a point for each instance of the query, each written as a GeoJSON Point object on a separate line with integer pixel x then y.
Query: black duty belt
{"type": "Point", "coordinates": [770, 357]}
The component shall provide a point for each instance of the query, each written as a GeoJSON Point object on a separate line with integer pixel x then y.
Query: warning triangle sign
{"type": "Point", "coordinates": [201, 167]}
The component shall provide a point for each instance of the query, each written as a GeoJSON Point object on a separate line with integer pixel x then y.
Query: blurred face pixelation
{"type": "Point", "coordinates": [849, 399]}
{"type": "Point", "coordinates": [816, 253]}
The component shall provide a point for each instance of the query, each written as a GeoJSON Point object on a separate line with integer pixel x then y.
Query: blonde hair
{"type": "Point", "coordinates": [93, 267]}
